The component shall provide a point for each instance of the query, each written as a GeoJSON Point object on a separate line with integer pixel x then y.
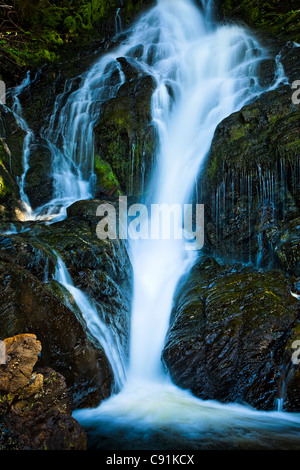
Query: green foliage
{"type": "Point", "coordinates": [36, 30]}
{"type": "Point", "coordinates": [277, 18]}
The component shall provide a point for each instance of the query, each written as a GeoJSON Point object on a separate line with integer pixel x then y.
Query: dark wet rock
{"type": "Point", "coordinates": [290, 59]}
{"type": "Point", "coordinates": [11, 163]}
{"type": "Point", "coordinates": [39, 180]}
{"type": "Point", "coordinates": [29, 305]}
{"type": "Point", "coordinates": [231, 333]}
{"type": "Point", "coordinates": [35, 407]}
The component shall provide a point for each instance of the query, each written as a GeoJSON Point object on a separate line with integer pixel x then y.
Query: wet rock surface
{"type": "Point", "coordinates": [125, 136]}
{"type": "Point", "coordinates": [250, 184]}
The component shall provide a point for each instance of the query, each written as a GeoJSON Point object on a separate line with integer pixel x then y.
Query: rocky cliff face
{"type": "Point", "coordinates": [231, 335]}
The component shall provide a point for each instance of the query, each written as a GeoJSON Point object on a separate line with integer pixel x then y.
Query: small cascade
{"type": "Point", "coordinates": [254, 202]}
{"type": "Point", "coordinates": [118, 22]}
{"type": "Point", "coordinates": [97, 328]}
{"type": "Point", "coordinates": [17, 111]}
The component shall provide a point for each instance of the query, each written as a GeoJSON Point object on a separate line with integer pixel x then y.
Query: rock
{"type": "Point", "coordinates": [230, 336]}
{"type": "Point", "coordinates": [35, 407]}
{"type": "Point", "coordinates": [249, 184]}
{"type": "Point", "coordinates": [28, 304]}
{"type": "Point", "coordinates": [22, 352]}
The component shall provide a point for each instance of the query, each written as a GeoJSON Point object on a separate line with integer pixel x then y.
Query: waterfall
{"type": "Point", "coordinates": [118, 22]}
{"type": "Point", "coordinates": [211, 71]}
{"type": "Point", "coordinates": [203, 73]}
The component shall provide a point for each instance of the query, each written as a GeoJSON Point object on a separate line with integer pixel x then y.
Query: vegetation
{"type": "Point", "coordinates": [36, 31]}
{"type": "Point", "coordinates": [276, 18]}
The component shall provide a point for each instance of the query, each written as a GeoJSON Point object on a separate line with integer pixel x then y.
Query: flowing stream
{"type": "Point", "coordinates": [203, 73]}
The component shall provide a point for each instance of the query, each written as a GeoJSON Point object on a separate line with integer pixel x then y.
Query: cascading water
{"type": "Point", "coordinates": [212, 73]}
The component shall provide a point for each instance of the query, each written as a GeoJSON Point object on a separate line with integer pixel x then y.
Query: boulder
{"type": "Point", "coordinates": [125, 136]}
{"type": "Point", "coordinates": [35, 407]}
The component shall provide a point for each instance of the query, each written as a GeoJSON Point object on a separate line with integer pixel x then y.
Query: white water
{"type": "Point", "coordinates": [212, 73]}
{"type": "Point", "coordinates": [18, 114]}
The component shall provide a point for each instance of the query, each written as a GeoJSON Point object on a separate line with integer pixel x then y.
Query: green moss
{"type": "Point", "coordinates": [237, 132]}
{"type": "Point", "coordinates": [6, 399]}
{"type": "Point", "coordinates": [45, 26]}
{"type": "Point", "coordinates": [212, 168]}
{"type": "Point", "coordinates": [105, 175]}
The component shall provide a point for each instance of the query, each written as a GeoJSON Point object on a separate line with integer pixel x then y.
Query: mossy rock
{"type": "Point", "coordinates": [106, 180]}
{"type": "Point", "coordinates": [38, 180]}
